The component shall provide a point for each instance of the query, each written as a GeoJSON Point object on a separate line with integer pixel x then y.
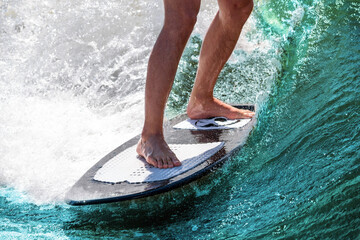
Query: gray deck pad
{"type": "Point", "coordinates": [211, 123]}
{"type": "Point", "coordinates": [129, 167]}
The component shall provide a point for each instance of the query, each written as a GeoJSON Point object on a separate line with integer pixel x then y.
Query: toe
{"type": "Point", "coordinates": [152, 161]}
{"type": "Point", "coordinates": [176, 162]}
{"type": "Point", "coordinates": [165, 163]}
{"type": "Point", "coordinates": [160, 163]}
{"type": "Point", "coordinates": [247, 114]}
{"type": "Point", "coordinates": [170, 162]}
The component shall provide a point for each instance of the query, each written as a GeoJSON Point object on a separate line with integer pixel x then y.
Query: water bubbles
{"type": "Point", "coordinates": [194, 228]}
{"type": "Point", "coordinates": [19, 27]}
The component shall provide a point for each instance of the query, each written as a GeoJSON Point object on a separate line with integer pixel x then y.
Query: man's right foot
{"type": "Point", "coordinates": [156, 152]}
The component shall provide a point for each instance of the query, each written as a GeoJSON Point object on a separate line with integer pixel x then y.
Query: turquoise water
{"type": "Point", "coordinates": [296, 178]}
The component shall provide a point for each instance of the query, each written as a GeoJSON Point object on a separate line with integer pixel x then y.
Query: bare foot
{"type": "Point", "coordinates": [215, 108]}
{"type": "Point", "coordinates": [156, 152]}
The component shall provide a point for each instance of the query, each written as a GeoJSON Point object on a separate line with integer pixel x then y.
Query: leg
{"type": "Point", "coordinates": [219, 42]}
{"type": "Point", "coordinates": [180, 18]}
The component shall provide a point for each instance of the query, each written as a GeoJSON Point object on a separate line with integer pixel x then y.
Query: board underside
{"type": "Point", "coordinates": [89, 191]}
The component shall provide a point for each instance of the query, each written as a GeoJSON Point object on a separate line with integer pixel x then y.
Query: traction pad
{"type": "Point", "coordinates": [129, 167]}
{"type": "Point", "coordinates": [211, 123]}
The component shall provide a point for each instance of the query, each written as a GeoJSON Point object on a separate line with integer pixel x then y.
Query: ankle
{"type": "Point", "coordinates": [200, 99]}
{"type": "Point", "coordinates": [195, 107]}
{"type": "Point", "coordinates": [146, 135]}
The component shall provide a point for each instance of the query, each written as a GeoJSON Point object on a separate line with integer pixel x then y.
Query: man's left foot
{"type": "Point", "coordinates": [215, 108]}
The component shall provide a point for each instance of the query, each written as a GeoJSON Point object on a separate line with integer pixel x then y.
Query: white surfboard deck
{"type": "Point", "coordinates": [128, 167]}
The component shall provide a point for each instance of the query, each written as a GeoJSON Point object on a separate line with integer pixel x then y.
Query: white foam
{"type": "Point", "coordinates": [46, 145]}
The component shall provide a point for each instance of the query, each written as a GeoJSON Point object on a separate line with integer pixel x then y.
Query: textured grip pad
{"type": "Point", "coordinates": [127, 166]}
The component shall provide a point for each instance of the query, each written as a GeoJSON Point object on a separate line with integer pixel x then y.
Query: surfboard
{"type": "Point", "coordinates": [201, 145]}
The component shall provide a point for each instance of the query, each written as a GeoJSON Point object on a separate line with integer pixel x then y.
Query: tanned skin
{"type": "Point", "coordinates": [218, 44]}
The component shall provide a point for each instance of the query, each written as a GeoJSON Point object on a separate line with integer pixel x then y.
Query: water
{"type": "Point", "coordinates": [72, 82]}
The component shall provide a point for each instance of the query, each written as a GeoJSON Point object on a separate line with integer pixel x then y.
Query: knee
{"type": "Point", "coordinates": [187, 21]}
{"type": "Point", "coordinates": [181, 22]}
{"type": "Point", "coordinates": [237, 10]}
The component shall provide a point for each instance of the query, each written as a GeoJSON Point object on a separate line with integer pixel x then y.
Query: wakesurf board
{"type": "Point", "coordinates": [200, 145]}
